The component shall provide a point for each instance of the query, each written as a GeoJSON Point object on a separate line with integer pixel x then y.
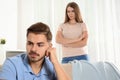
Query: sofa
{"type": "Point", "coordinates": [84, 70]}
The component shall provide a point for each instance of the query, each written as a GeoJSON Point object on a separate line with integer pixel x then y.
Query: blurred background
{"type": "Point", "coordinates": [102, 18]}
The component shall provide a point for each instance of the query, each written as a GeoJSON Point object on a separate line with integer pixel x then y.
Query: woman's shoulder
{"type": "Point", "coordinates": [81, 23]}
{"type": "Point", "coordinates": [63, 24]}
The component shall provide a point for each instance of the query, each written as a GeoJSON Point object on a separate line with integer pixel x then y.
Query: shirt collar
{"type": "Point", "coordinates": [27, 67]}
{"type": "Point", "coordinates": [45, 68]}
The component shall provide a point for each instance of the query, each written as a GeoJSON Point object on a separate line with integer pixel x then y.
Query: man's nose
{"type": "Point", "coordinates": [34, 48]}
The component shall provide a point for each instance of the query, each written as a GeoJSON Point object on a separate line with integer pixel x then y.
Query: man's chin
{"type": "Point", "coordinates": [35, 60]}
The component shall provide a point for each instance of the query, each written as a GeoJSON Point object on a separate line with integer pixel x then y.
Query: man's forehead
{"type": "Point", "coordinates": [38, 38]}
{"type": "Point", "coordinates": [36, 35]}
{"type": "Point", "coordinates": [36, 42]}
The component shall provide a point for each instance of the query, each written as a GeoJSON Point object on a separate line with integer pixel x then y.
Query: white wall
{"type": "Point", "coordinates": [8, 22]}
{"type": "Point", "coordinates": [26, 17]}
{"type": "Point", "coordinates": [18, 15]}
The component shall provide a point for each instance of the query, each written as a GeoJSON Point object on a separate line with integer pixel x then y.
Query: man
{"type": "Point", "coordinates": [40, 61]}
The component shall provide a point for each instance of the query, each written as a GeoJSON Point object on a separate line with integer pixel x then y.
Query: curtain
{"type": "Point", "coordinates": [102, 18]}
{"type": "Point", "coordinates": [103, 23]}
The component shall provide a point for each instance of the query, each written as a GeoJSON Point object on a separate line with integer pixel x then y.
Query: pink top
{"type": "Point", "coordinates": [72, 31]}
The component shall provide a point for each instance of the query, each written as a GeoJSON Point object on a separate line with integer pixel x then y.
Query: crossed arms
{"type": "Point", "coordinates": [80, 42]}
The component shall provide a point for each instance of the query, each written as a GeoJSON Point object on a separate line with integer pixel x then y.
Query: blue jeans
{"type": "Point", "coordinates": [68, 59]}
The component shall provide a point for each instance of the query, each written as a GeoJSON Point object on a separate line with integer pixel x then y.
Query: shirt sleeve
{"type": "Point", "coordinates": [8, 71]}
{"type": "Point", "coordinates": [60, 27]}
{"type": "Point", "coordinates": [84, 27]}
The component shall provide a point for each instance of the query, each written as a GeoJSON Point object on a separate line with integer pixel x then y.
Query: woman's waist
{"type": "Point", "coordinates": [68, 51]}
{"type": "Point", "coordinates": [73, 53]}
{"type": "Point", "coordinates": [73, 50]}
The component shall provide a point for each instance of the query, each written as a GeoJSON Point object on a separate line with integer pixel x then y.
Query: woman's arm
{"type": "Point", "coordinates": [80, 43]}
{"type": "Point", "coordinates": [62, 40]}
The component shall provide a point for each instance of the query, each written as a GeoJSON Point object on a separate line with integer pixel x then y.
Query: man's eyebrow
{"type": "Point", "coordinates": [37, 42]}
{"type": "Point", "coordinates": [40, 43]}
{"type": "Point", "coordinates": [29, 41]}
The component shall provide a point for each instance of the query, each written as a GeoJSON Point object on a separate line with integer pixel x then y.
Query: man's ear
{"type": "Point", "coordinates": [50, 44]}
{"type": "Point", "coordinates": [46, 52]}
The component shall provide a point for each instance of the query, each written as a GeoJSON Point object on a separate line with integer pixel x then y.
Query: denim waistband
{"type": "Point", "coordinates": [79, 57]}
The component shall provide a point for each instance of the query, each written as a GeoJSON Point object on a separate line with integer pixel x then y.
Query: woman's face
{"type": "Point", "coordinates": [71, 13]}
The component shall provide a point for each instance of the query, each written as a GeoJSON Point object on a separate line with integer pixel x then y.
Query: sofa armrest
{"type": "Point", "coordinates": [68, 69]}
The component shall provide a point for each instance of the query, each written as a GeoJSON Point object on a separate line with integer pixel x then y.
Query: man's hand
{"type": "Point", "coordinates": [51, 53]}
{"type": "Point", "coordinates": [61, 74]}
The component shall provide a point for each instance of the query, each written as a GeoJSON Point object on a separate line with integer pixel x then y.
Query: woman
{"type": "Point", "coordinates": [72, 35]}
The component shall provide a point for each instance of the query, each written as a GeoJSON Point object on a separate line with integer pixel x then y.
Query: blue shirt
{"type": "Point", "coordinates": [17, 68]}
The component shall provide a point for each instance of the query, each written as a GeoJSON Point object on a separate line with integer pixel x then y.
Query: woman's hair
{"type": "Point", "coordinates": [40, 28]}
{"type": "Point", "coordinates": [78, 16]}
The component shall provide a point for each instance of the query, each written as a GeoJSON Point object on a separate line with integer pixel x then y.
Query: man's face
{"type": "Point", "coordinates": [36, 46]}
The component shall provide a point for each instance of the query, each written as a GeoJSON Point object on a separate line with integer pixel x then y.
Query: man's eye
{"type": "Point", "coordinates": [40, 45]}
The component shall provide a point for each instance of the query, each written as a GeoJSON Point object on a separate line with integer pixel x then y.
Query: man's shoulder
{"type": "Point", "coordinates": [13, 66]}
{"type": "Point", "coordinates": [19, 56]}
{"type": "Point", "coordinates": [15, 62]}
{"type": "Point", "coordinates": [16, 59]}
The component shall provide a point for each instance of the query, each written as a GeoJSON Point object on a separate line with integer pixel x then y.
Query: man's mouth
{"type": "Point", "coordinates": [32, 54]}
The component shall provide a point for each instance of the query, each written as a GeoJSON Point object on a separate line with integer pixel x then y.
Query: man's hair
{"type": "Point", "coordinates": [40, 28]}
